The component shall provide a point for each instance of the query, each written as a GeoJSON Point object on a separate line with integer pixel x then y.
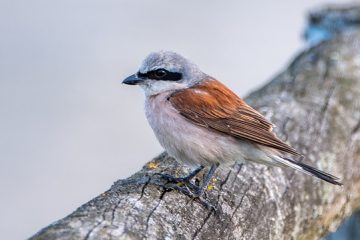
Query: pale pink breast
{"type": "Point", "coordinates": [188, 143]}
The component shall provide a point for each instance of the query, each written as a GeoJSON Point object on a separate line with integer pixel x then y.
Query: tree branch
{"type": "Point", "coordinates": [315, 104]}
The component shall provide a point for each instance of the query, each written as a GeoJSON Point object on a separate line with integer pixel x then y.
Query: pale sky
{"type": "Point", "coordinates": [69, 128]}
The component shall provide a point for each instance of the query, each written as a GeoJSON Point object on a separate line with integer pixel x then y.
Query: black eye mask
{"type": "Point", "coordinates": [161, 74]}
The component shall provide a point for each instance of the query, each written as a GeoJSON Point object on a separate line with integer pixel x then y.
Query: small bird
{"type": "Point", "coordinates": [200, 122]}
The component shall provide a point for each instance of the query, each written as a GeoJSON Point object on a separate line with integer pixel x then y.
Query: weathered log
{"type": "Point", "coordinates": [315, 104]}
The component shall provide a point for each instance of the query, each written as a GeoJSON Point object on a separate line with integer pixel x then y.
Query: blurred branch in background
{"type": "Point", "coordinates": [328, 22]}
{"type": "Point", "coordinates": [349, 229]}
{"type": "Point", "coordinates": [314, 103]}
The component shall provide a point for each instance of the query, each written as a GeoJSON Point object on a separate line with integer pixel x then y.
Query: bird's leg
{"type": "Point", "coordinates": [185, 179]}
{"type": "Point", "coordinates": [189, 189]}
{"type": "Point", "coordinates": [188, 192]}
{"type": "Point", "coordinates": [200, 190]}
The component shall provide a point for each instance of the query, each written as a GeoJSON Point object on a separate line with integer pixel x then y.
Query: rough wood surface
{"type": "Point", "coordinates": [315, 104]}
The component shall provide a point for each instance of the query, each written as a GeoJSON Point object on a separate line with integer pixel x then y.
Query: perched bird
{"type": "Point", "coordinates": [200, 122]}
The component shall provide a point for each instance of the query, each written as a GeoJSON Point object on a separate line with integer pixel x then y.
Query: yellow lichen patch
{"type": "Point", "coordinates": [152, 165]}
{"type": "Point", "coordinates": [211, 185]}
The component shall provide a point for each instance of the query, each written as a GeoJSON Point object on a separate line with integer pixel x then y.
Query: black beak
{"type": "Point", "coordinates": [133, 80]}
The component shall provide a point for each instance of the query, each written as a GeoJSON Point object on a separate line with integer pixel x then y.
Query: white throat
{"type": "Point", "coordinates": [156, 87]}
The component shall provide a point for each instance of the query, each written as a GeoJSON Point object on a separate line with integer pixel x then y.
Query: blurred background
{"type": "Point", "coordinates": [69, 129]}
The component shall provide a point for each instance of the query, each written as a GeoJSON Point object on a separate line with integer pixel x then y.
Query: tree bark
{"type": "Point", "coordinates": [315, 104]}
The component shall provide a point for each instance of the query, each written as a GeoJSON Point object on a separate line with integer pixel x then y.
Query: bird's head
{"type": "Point", "coordinates": [165, 71]}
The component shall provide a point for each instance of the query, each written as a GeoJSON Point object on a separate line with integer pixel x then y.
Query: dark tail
{"type": "Point", "coordinates": [312, 171]}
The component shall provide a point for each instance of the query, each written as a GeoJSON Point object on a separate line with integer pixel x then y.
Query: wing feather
{"type": "Point", "coordinates": [212, 105]}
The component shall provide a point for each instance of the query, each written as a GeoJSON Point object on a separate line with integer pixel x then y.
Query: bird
{"type": "Point", "coordinates": [202, 123]}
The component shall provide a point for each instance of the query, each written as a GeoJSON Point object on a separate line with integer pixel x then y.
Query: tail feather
{"type": "Point", "coordinates": [309, 170]}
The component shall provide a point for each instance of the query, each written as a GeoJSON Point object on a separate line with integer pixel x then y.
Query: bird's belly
{"type": "Point", "coordinates": [188, 143]}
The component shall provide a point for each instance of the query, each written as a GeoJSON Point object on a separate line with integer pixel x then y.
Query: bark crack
{"type": "Point", "coordinates": [236, 175]}
{"type": "Point", "coordinates": [113, 212]}
{"type": "Point", "coordinates": [143, 188]}
{"type": "Point", "coordinates": [96, 225]}
{"type": "Point", "coordinates": [325, 106]}
{"type": "Point", "coordinates": [356, 128]}
{"type": "Point", "coordinates": [328, 98]}
{"type": "Point", "coordinates": [242, 198]}
{"type": "Point", "coordinates": [252, 220]}
{"type": "Point", "coordinates": [153, 210]}
{"type": "Point", "coordinates": [203, 224]}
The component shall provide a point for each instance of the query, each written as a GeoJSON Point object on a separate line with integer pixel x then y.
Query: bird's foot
{"type": "Point", "coordinates": [193, 192]}
{"type": "Point", "coordinates": [172, 179]}
{"type": "Point", "coordinates": [181, 183]}
{"type": "Point", "coordinates": [185, 179]}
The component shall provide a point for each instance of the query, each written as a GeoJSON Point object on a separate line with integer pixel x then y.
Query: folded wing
{"type": "Point", "coordinates": [212, 105]}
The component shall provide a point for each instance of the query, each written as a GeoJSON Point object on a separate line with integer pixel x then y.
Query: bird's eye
{"type": "Point", "coordinates": [163, 75]}
{"type": "Point", "coordinates": [160, 73]}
